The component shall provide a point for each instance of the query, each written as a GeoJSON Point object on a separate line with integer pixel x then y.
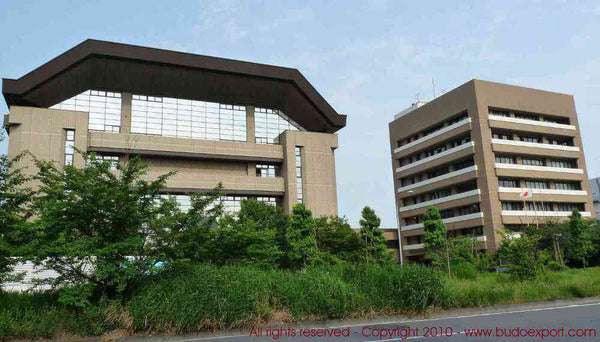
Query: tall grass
{"type": "Point", "coordinates": [209, 297]}
{"type": "Point", "coordinates": [38, 314]}
{"type": "Point", "coordinates": [490, 289]}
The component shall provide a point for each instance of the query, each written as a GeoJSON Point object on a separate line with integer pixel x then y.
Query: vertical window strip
{"type": "Point", "coordinates": [69, 146]}
{"type": "Point", "coordinates": [300, 191]}
{"type": "Point", "coordinates": [104, 109]}
{"type": "Point", "coordinates": [182, 118]}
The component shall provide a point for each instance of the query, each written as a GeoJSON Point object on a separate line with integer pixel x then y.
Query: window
{"type": "Point", "coordinates": [503, 136]}
{"type": "Point", "coordinates": [447, 213]}
{"type": "Point", "coordinates": [532, 161]}
{"type": "Point", "coordinates": [505, 159]}
{"type": "Point", "coordinates": [469, 209]}
{"type": "Point", "coordinates": [440, 193]}
{"type": "Point", "coordinates": [113, 160]}
{"type": "Point", "coordinates": [537, 184]}
{"type": "Point", "coordinates": [392, 244]}
{"type": "Point", "coordinates": [69, 146]}
{"type": "Point", "coordinates": [499, 113]}
{"type": "Point", "coordinates": [512, 206]}
{"type": "Point", "coordinates": [514, 227]}
{"type": "Point", "coordinates": [570, 206]}
{"type": "Point", "coordinates": [437, 172]}
{"type": "Point", "coordinates": [231, 204]}
{"type": "Point", "coordinates": [415, 240]}
{"type": "Point", "coordinates": [567, 185]}
{"type": "Point", "coordinates": [508, 183]}
{"type": "Point", "coordinates": [563, 163]}
{"type": "Point", "coordinates": [104, 109]}
{"type": "Point", "coordinates": [269, 200]}
{"type": "Point", "coordinates": [432, 130]}
{"type": "Point", "coordinates": [171, 117]}
{"type": "Point", "coordinates": [267, 170]}
{"type": "Point", "coordinates": [530, 139]}
{"type": "Point", "coordinates": [300, 192]}
{"type": "Point", "coordinates": [468, 186]}
{"type": "Point", "coordinates": [270, 123]}
{"type": "Point", "coordinates": [563, 121]}
{"type": "Point", "coordinates": [457, 119]}
{"type": "Point", "coordinates": [475, 231]}
{"type": "Point", "coordinates": [464, 164]}
{"type": "Point", "coordinates": [527, 116]}
{"type": "Point", "coordinates": [561, 141]}
{"type": "Point", "coordinates": [538, 206]}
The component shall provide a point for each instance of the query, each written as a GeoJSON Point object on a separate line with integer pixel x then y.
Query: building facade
{"type": "Point", "coordinates": [262, 131]}
{"type": "Point", "coordinates": [492, 158]}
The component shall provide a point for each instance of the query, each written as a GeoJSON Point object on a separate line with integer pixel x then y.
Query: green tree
{"type": "Point", "coordinates": [372, 237]}
{"type": "Point", "coordinates": [251, 236]}
{"type": "Point", "coordinates": [300, 236]}
{"type": "Point", "coordinates": [93, 223]}
{"type": "Point", "coordinates": [436, 241]}
{"type": "Point", "coordinates": [580, 246]}
{"type": "Point", "coordinates": [520, 255]}
{"type": "Point", "coordinates": [336, 237]}
{"type": "Point", "coordinates": [186, 236]}
{"type": "Point", "coordinates": [15, 210]}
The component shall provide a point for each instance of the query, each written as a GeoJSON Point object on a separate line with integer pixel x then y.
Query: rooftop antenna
{"type": "Point", "coordinates": [433, 85]}
{"type": "Point", "coordinates": [418, 97]}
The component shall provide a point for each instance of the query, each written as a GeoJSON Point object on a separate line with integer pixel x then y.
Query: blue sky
{"type": "Point", "coordinates": [369, 59]}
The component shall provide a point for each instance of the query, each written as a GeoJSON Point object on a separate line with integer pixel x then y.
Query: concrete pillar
{"type": "Point", "coordinates": [126, 113]}
{"type": "Point", "coordinates": [250, 127]}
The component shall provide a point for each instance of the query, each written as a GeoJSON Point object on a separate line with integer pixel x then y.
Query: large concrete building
{"type": "Point", "coordinates": [492, 157]}
{"type": "Point", "coordinates": [261, 130]}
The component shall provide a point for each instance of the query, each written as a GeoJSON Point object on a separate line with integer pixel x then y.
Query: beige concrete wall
{"type": "Point", "coordinates": [42, 132]}
{"type": "Point", "coordinates": [318, 168]}
{"type": "Point", "coordinates": [201, 164]}
{"type": "Point", "coordinates": [202, 175]}
{"type": "Point", "coordinates": [183, 147]}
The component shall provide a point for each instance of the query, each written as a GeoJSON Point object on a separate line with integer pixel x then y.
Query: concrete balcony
{"type": "Point", "coordinates": [123, 143]}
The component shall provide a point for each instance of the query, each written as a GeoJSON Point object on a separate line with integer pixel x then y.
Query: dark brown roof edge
{"type": "Point", "coordinates": [13, 89]}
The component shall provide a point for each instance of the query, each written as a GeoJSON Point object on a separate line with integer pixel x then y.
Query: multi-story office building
{"type": "Point", "coordinates": [477, 152]}
{"type": "Point", "coordinates": [261, 130]}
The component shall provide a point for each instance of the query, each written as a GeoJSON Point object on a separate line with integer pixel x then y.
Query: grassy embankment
{"type": "Point", "coordinates": [207, 297]}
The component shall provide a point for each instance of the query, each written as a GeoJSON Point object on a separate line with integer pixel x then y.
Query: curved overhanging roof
{"type": "Point", "coordinates": [117, 67]}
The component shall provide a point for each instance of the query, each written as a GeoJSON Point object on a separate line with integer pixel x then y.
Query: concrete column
{"type": "Point", "coordinates": [126, 113]}
{"type": "Point", "coordinates": [250, 128]}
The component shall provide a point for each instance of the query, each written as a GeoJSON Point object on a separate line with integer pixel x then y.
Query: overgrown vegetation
{"type": "Point", "coordinates": [129, 258]}
{"type": "Point", "coordinates": [205, 297]}
{"type": "Point", "coordinates": [552, 245]}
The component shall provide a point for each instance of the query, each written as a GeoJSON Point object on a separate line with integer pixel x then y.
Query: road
{"type": "Point", "coordinates": [551, 321]}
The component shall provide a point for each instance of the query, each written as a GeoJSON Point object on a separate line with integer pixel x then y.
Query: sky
{"type": "Point", "coordinates": [368, 59]}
